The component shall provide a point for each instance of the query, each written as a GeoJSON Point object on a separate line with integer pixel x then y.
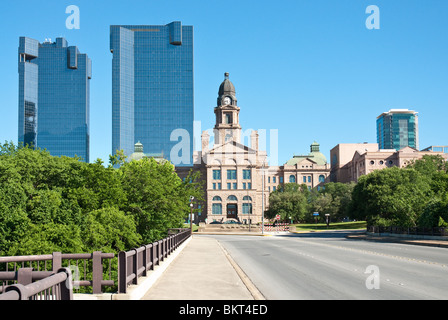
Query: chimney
{"type": "Point", "coordinates": [205, 142]}
{"type": "Point", "coordinates": [254, 140]}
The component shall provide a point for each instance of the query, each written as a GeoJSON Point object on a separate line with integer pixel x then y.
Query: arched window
{"type": "Point", "coordinates": [292, 179]}
{"type": "Point", "coordinates": [247, 208]}
{"type": "Point", "coordinates": [247, 205]}
{"type": "Point", "coordinates": [217, 208]}
{"type": "Point", "coordinates": [232, 198]}
{"type": "Point", "coordinates": [217, 199]}
{"type": "Point", "coordinates": [321, 178]}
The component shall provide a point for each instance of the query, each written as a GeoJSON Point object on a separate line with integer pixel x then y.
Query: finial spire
{"type": "Point", "coordinates": [226, 75]}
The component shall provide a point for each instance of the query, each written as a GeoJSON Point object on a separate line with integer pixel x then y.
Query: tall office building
{"type": "Point", "coordinates": [152, 88]}
{"type": "Point", "coordinates": [54, 97]}
{"type": "Point", "coordinates": [397, 129]}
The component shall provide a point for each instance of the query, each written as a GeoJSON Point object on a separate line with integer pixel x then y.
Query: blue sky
{"type": "Point", "coordinates": [309, 69]}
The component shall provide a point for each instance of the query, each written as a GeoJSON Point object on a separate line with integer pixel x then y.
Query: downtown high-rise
{"type": "Point", "coordinates": [152, 88]}
{"type": "Point", "coordinates": [397, 129]}
{"type": "Point", "coordinates": [54, 97]}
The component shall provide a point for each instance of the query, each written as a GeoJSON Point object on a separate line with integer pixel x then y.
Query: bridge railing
{"type": "Point", "coordinates": [24, 274]}
{"type": "Point", "coordinates": [137, 262]}
{"type": "Point", "coordinates": [419, 231]}
{"type": "Point", "coordinates": [44, 265]}
{"type": "Point", "coordinates": [56, 286]}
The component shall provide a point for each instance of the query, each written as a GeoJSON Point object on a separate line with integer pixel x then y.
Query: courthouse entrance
{"type": "Point", "coordinates": [232, 211]}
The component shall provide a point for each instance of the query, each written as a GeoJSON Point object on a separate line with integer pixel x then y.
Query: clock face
{"type": "Point", "coordinates": [227, 101]}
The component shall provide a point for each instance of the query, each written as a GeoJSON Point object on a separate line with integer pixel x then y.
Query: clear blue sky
{"type": "Point", "coordinates": [310, 69]}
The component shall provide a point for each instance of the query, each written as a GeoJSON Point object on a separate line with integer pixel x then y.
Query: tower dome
{"type": "Point", "coordinates": [227, 93]}
{"type": "Point", "coordinates": [317, 155]}
{"type": "Point", "coordinates": [226, 87]}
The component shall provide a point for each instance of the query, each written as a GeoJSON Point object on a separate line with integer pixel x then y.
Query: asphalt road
{"type": "Point", "coordinates": [326, 265]}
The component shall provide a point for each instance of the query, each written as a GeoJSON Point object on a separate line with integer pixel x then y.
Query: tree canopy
{"type": "Point", "coordinates": [416, 195]}
{"type": "Point", "coordinates": [62, 204]}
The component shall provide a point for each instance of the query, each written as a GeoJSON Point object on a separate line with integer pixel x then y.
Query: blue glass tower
{"type": "Point", "coordinates": [54, 97]}
{"type": "Point", "coordinates": [152, 88]}
{"type": "Point", "coordinates": [397, 129]}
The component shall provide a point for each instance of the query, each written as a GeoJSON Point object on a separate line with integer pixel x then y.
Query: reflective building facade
{"type": "Point", "coordinates": [397, 129]}
{"type": "Point", "coordinates": [54, 97]}
{"type": "Point", "coordinates": [152, 88]}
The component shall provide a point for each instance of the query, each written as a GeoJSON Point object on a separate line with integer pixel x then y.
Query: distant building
{"type": "Point", "coordinates": [443, 149]}
{"type": "Point", "coordinates": [341, 157]}
{"type": "Point", "coordinates": [139, 154]}
{"type": "Point", "coordinates": [351, 161]}
{"type": "Point", "coordinates": [54, 97]}
{"type": "Point", "coordinates": [397, 129]}
{"type": "Point", "coordinates": [152, 87]}
{"type": "Point", "coordinates": [312, 170]}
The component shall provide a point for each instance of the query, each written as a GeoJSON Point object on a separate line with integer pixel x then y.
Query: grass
{"type": "Point", "coordinates": [195, 227]}
{"type": "Point", "coordinates": [333, 226]}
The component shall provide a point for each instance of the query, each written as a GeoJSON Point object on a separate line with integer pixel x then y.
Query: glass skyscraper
{"type": "Point", "coordinates": [152, 88]}
{"type": "Point", "coordinates": [54, 97]}
{"type": "Point", "coordinates": [397, 129]}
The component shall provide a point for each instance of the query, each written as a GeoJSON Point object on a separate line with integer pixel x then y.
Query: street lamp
{"type": "Point", "coordinates": [327, 216]}
{"type": "Point", "coordinates": [262, 201]}
{"type": "Point", "coordinates": [191, 214]}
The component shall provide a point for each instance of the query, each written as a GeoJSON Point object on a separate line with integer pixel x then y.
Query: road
{"type": "Point", "coordinates": [326, 265]}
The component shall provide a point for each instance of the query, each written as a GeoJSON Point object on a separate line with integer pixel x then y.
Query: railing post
{"type": "Point", "coordinates": [97, 272]}
{"type": "Point", "coordinates": [135, 267]}
{"type": "Point", "coordinates": [57, 261]}
{"type": "Point", "coordinates": [25, 276]}
{"type": "Point", "coordinates": [145, 261]}
{"type": "Point", "coordinates": [122, 272]}
{"type": "Point", "coordinates": [67, 285]}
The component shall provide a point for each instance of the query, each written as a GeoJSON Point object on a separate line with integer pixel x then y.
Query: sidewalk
{"type": "Point", "coordinates": [203, 271]}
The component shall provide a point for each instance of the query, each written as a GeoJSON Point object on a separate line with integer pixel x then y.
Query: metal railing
{"type": "Point", "coordinates": [137, 262]}
{"type": "Point", "coordinates": [41, 263]}
{"type": "Point", "coordinates": [277, 227]}
{"type": "Point", "coordinates": [57, 286]}
{"type": "Point", "coordinates": [26, 276]}
{"type": "Point", "coordinates": [409, 230]}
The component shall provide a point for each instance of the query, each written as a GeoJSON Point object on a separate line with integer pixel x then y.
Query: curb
{"type": "Point", "coordinates": [417, 242]}
{"type": "Point", "coordinates": [256, 294]}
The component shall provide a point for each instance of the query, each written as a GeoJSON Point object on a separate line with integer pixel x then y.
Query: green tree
{"type": "Point", "coordinates": [109, 230]}
{"type": "Point", "coordinates": [156, 197]}
{"type": "Point", "coordinates": [47, 238]}
{"type": "Point", "coordinates": [63, 204]}
{"type": "Point", "coordinates": [335, 199]}
{"type": "Point", "coordinates": [391, 196]}
{"type": "Point", "coordinates": [290, 200]}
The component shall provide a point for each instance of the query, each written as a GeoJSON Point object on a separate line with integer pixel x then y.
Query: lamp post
{"type": "Point", "coordinates": [262, 201]}
{"type": "Point", "coordinates": [191, 214]}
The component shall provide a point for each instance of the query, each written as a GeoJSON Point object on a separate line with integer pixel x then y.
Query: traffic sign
{"type": "Point", "coordinates": [278, 217]}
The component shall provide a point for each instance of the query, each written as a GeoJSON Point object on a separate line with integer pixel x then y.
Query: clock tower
{"type": "Point", "coordinates": [227, 126]}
